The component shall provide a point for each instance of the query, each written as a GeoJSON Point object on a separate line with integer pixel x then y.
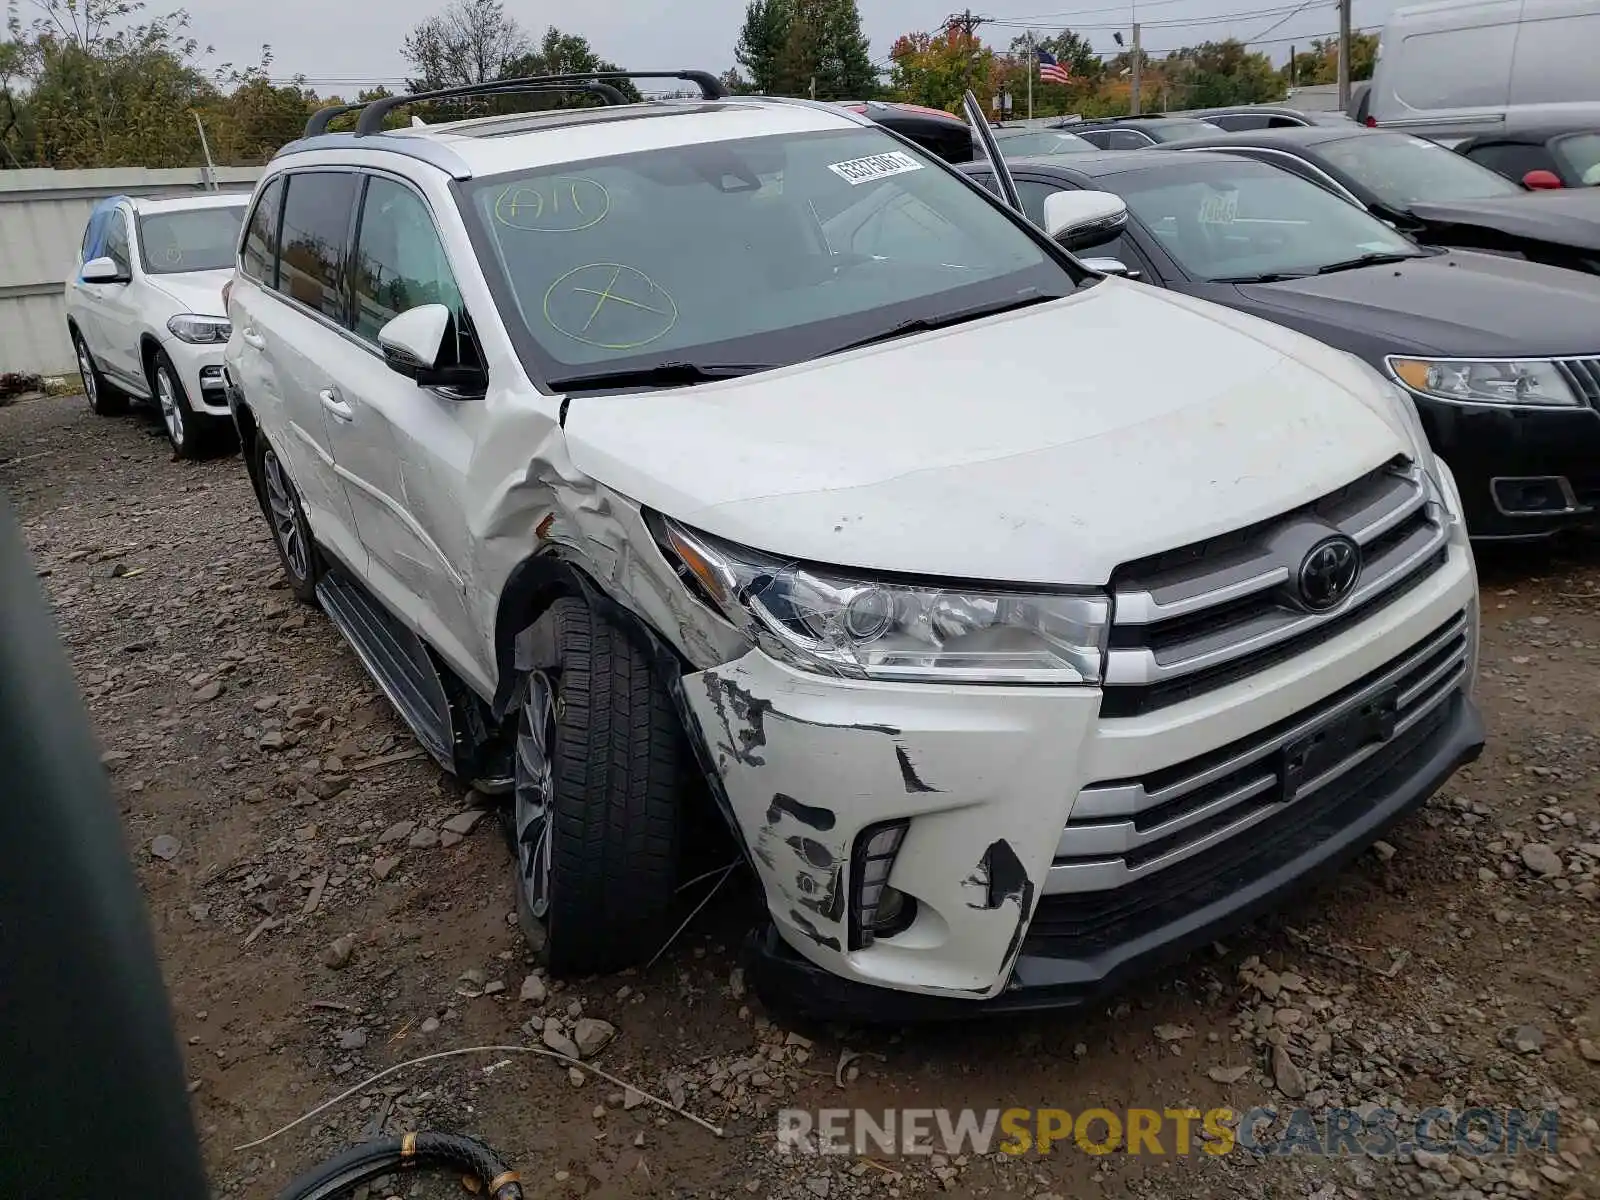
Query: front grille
{"type": "Point", "coordinates": [1083, 923]}
{"type": "Point", "coordinates": [1191, 620]}
{"type": "Point", "coordinates": [1584, 376]}
{"type": "Point", "coordinates": [1122, 831]}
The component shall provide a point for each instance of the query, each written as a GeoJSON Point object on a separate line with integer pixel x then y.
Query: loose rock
{"type": "Point", "coordinates": [164, 846]}
{"type": "Point", "coordinates": [339, 952]}
{"type": "Point", "coordinates": [592, 1036]}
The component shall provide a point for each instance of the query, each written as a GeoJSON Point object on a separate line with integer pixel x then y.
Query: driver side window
{"type": "Point", "coordinates": [117, 248]}
{"type": "Point", "coordinates": [400, 261]}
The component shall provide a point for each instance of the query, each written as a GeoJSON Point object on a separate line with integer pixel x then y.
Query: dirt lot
{"type": "Point", "coordinates": [322, 916]}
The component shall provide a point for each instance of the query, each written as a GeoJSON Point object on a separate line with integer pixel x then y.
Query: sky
{"type": "Point", "coordinates": [341, 46]}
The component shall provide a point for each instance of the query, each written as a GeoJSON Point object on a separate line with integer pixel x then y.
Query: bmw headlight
{"type": "Point", "coordinates": [191, 327]}
{"type": "Point", "coordinates": [1526, 382]}
{"type": "Point", "coordinates": [841, 622]}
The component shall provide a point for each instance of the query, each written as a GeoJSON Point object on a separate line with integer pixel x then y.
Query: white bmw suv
{"type": "Point", "coordinates": [146, 315]}
{"type": "Point", "coordinates": [1025, 626]}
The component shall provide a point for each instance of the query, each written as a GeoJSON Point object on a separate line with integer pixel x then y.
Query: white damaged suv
{"type": "Point", "coordinates": [1025, 626]}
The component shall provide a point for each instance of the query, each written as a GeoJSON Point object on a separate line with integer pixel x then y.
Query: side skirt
{"type": "Point", "coordinates": [443, 714]}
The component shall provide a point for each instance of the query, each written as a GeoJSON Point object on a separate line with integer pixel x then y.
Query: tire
{"type": "Point", "coordinates": [193, 435]}
{"type": "Point", "coordinates": [104, 399]}
{"type": "Point", "coordinates": [291, 532]}
{"type": "Point", "coordinates": [596, 870]}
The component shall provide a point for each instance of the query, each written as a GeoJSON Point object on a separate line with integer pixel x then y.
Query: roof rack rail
{"type": "Point", "coordinates": [374, 112]}
{"type": "Point", "coordinates": [320, 120]}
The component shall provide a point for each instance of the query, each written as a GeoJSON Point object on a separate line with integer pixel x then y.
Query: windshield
{"type": "Point", "coordinates": [194, 239]}
{"type": "Point", "coordinates": [1402, 170]}
{"type": "Point", "coordinates": [1042, 142]}
{"type": "Point", "coordinates": [761, 251]}
{"type": "Point", "coordinates": [1244, 221]}
{"type": "Point", "coordinates": [1581, 154]}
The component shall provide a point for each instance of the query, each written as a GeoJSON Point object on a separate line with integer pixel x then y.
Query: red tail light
{"type": "Point", "coordinates": [1372, 122]}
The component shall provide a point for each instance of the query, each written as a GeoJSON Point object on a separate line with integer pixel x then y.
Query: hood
{"type": "Point", "coordinates": [197, 291]}
{"type": "Point", "coordinates": [1454, 303]}
{"type": "Point", "coordinates": [1560, 217]}
{"type": "Point", "coordinates": [1046, 445]}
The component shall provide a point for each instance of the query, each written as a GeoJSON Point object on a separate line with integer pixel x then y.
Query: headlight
{"type": "Point", "coordinates": [1529, 382]}
{"type": "Point", "coordinates": [840, 623]}
{"type": "Point", "coordinates": [190, 327]}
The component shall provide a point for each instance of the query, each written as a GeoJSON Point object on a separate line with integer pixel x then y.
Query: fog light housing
{"type": "Point", "coordinates": [878, 910]}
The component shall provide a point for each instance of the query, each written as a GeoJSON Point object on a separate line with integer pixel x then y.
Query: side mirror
{"type": "Point", "coordinates": [1541, 181]}
{"type": "Point", "coordinates": [413, 345]}
{"type": "Point", "coordinates": [1078, 220]}
{"type": "Point", "coordinates": [1110, 266]}
{"type": "Point", "coordinates": [102, 270]}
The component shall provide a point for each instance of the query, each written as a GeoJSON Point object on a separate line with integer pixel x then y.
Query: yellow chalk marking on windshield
{"type": "Point", "coordinates": [611, 284]}
{"type": "Point", "coordinates": [539, 209]}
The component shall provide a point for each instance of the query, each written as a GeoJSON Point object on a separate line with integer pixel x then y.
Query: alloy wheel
{"type": "Point", "coordinates": [285, 521]}
{"type": "Point", "coordinates": [535, 791]}
{"type": "Point", "coordinates": [166, 394]}
{"type": "Point", "coordinates": [86, 369]}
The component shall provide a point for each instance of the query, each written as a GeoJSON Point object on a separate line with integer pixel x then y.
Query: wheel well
{"type": "Point", "coordinates": [532, 587]}
{"type": "Point", "coordinates": [245, 421]}
{"type": "Point", "coordinates": [148, 346]}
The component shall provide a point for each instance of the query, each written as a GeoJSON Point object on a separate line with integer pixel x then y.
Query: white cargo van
{"type": "Point", "coordinates": [1449, 70]}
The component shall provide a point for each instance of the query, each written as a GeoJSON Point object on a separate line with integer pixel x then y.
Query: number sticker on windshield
{"type": "Point", "coordinates": [1219, 208]}
{"type": "Point", "coordinates": [857, 171]}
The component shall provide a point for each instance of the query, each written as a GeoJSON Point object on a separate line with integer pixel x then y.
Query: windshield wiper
{"type": "Point", "coordinates": [1370, 259]}
{"type": "Point", "coordinates": [943, 320]}
{"type": "Point", "coordinates": [660, 375]}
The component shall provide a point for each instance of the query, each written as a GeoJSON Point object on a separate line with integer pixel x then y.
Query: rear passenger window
{"type": "Point", "coordinates": [1127, 139]}
{"type": "Point", "coordinates": [259, 258]}
{"type": "Point", "coordinates": [317, 208]}
{"type": "Point", "coordinates": [400, 262]}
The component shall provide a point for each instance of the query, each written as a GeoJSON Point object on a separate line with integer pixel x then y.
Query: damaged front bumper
{"type": "Point", "coordinates": [1049, 973]}
{"type": "Point", "coordinates": [1023, 885]}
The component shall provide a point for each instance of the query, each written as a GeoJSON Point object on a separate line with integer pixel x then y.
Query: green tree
{"type": "Point", "coordinates": [564, 54]}
{"type": "Point", "coordinates": [1213, 74]}
{"type": "Point", "coordinates": [763, 43]}
{"type": "Point", "coordinates": [936, 69]}
{"type": "Point", "coordinates": [108, 91]}
{"type": "Point", "coordinates": [1320, 63]}
{"type": "Point", "coordinates": [826, 53]}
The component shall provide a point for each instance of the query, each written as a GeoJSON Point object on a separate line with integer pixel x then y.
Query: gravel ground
{"type": "Point", "coordinates": [328, 904]}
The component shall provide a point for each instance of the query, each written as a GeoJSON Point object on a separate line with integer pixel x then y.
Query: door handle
{"type": "Point", "coordinates": [331, 401]}
{"type": "Point", "coordinates": [253, 339]}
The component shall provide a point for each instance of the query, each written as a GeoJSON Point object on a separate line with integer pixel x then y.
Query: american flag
{"type": "Point", "coordinates": [1051, 71]}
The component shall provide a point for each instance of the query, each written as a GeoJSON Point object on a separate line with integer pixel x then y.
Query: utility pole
{"type": "Point", "coordinates": [1133, 98]}
{"type": "Point", "coordinates": [1291, 67]}
{"type": "Point", "coordinates": [1344, 55]}
{"type": "Point", "coordinates": [210, 172]}
{"type": "Point", "coordinates": [1033, 69]}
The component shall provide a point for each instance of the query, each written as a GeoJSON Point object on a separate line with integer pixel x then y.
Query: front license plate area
{"type": "Point", "coordinates": [1308, 757]}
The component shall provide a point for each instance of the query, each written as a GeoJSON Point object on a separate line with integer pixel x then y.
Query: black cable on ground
{"type": "Point", "coordinates": [385, 1156]}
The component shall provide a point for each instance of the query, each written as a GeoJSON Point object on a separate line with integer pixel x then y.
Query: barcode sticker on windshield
{"type": "Point", "coordinates": [878, 166]}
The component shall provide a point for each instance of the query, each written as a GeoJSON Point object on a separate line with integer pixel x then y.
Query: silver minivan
{"type": "Point", "coordinates": [1449, 70]}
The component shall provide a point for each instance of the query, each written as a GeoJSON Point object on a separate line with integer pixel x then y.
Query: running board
{"type": "Point", "coordinates": [397, 659]}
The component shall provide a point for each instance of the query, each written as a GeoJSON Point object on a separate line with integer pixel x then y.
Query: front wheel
{"type": "Point", "coordinates": [598, 771]}
{"type": "Point", "coordinates": [193, 435]}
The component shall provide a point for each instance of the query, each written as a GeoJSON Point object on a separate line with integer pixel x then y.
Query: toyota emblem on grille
{"type": "Point", "coordinates": [1328, 573]}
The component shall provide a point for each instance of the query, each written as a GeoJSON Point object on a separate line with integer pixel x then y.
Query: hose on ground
{"type": "Point", "coordinates": [361, 1164]}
